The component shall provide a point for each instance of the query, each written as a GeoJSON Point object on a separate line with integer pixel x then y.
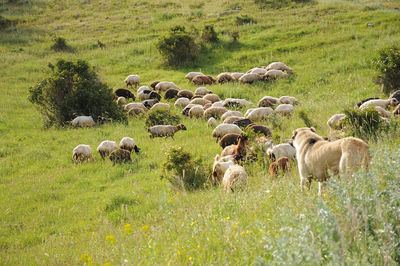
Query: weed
{"type": "Point", "coordinates": [60, 44]}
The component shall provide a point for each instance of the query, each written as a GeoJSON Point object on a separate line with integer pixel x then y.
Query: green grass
{"type": "Point", "coordinates": [55, 212]}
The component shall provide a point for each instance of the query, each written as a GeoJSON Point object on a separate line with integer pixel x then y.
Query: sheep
{"type": "Point", "coordinates": [196, 111]}
{"type": "Point", "coordinates": [165, 130]}
{"type": "Point", "coordinates": [202, 91]}
{"type": "Point", "coordinates": [281, 150]}
{"type": "Point", "coordinates": [186, 110]}
{"type": "Point", "coordinates": [81, 153]}
{"type": "Point", "coordinates": [106, 147]}
{"type": "Point", "coordinates": [132, 80]}
{"type": "Point", "coordinates": [395, 95]}
{"type": "Point", "coordinates": [229, 139]}
{"type": "Point", "coordinates": [191, 75]}
{"type": "Point", "coordinates": [206, 106]}
{"type": "Point", "coordinates": [236, 102]}
{"type": "Point", "coordinates": [125, 93]}
{"type": "Point", "coordinates": [149, 103]}
{"type": "Point", "coordinates": [288, 100]}
{"type": "Point", "coordinates": [224, 129]}
{"type": "Point", "coordinates": [274, 74]}
{"type": "Point", "coordinates": [121, 100]}
{"type": "Point", "coordinates": [268, 101]}
{"type": "Point", "coordinates": [284, 109]}
{"type": "Point", "coordinates": [142, 88]}
{"type": "Point", "coordinates": [382, 103]}
{"type": "Point", "coordinates": [212, 122]}
{"type": "Point", "coordinates": [165, 85]}
{"type": "Point", "coordinates": [212, 98]}
{"type": "Point", "coordinates": [203, 80]}
{"type": "Point", "coordinates": [232, 119]}
{"type": "Point", "coordinates": [160, 106]}
{"type": "Point", "coordinates": [135, 105]}
{"type": "Point", "coordinates": [234, 178]}
{"type": "Point", "coordinates": [259, 113]}
{"type": "Point", "coordinates": [396, 111]}
{"type": "Point", "coordinates": [357, 105]}
{"type": "Point", "coordinates": [200, 101]}
{"type": "Point", "coordinates": [231, 113]}
{"type": "Point", "coordinates": [185, 94]}
{"type": "Point", "coordinates": [148, 94]}
{"type": "Point", "coordinates": [182, 102]}
{"type": "Point", "coordinates": [280, 66]}
{"type": "Point", "coordinates": [154, 84]}
{"type": "Point", "coordinates": [171, 94]}
{"type": "Point", "coordinates": [334, 122]}
{"type": "Point", "coordinates": [218, 104]}
{"type": "Point", "coordinates": [258, 71]}
{"type": "Point", "coordinates": [134, 111]}
{"type": "Point", "coordinates": [220, 167]}
{"type": "Point", "coordinates": [383, 112]}
{"type": "Point", "coordinates": [243, 122]}
{"type": "Point", "coordinates": [236, 75]}
{"type": "Point", "coordinates": [83, 121]}
{"type": "Point", "coordinates": [225, 77]}
{"type": "Point", "coordinates": [249, 78]}
{"type": "Point", "coordinates": [120, 156]}
{"type": "Point", "coordinates": [281, 164]}
{"type": "Point", "coordinates": [215, 112]}
{"type": "Point", "coordinates": [260, 129]}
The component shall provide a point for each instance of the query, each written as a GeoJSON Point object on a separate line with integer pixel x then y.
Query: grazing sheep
{"type": "Point", "coordinates": [225, 77]}
{"type": "Point", "coordinates": [218, 104]}
{"type": "Point", "coordinates": [260, 129]}
{"type": "Point", "coordinates": [142, 88]}
{"type": "Point", "coordinates": [228, 151]}
{"type": "Point", "coordinates": [134, 111]}
{"type": "Point", "coordinates": [234, 102]}
{"type": "Point", "coordinates": [154, 84]}
{"type": "Point", "coordinates": [125, 93]}
{"type": "Point", "coordinates": [82, 153]}
{"type": "Point", "coordinates": [191, 75]}
{"type": "Point", "coordinates": [121, 100]}
{"type": "Point", "coordinates": [383, 112]}
{"type": "Point", "coordinates": [232, 119]}
{"type": "Point", "coordinates": [206, 106]}
{"type": "Point", "coordinates": [229, 139]}
{"type": "Point", "coordinates": [182, 102]}
{"type": "Point", "coordinates": [282, 164]}
{"type": "Point", "coordinates": [249, 78]}
{"type": "Point", "coordinates": [382, 103]}
{"type": "Point", "coordinates": [224, 129]}
{"type": "Point", "coordinates": [160, 106]}
{"type": "Point", "coordinates": [357, 105]}
{"type": "Point", "coordinates": [132, 80]}
{"type": "Point", "coordinates": [257, 70]}
{"type": "Point", "coordinates": [165, 85]}
{"type": "Point", "coordinates": [106, 147]}
{"type": "Point", "coordinates": [136, 105]}
{"type": "Point", "coordinates": [274, 74]}
{"type": "Point", "coordinates": [288, 100]}
{"type": "Point", "coordinates": [212, 98]}
{"type": "Point", "coordinates": [215, 112]}
{"type": "Point", "coordinates": [243, 122]}
{"type": "Point", "coordinates": [148, 94]}
{"type": "Point", "coordinates": [231, 113]}
{"type": "Point", "coordinates": [235, 178]}
{"type": "Point", "coordinates": [202, 91]}
{"type": "Point", "coordinates": [203, 80]}
{"type": "Point", "coordinates": [149, 103]}
{"type": "Point", "coordinates": [200, 101]}
{"type": "Point", "coordinates": [280, 66]}
{"type": "Point", "coordinates": [395, 95]}
{"type": "Point", "coordinates": [120, 156]}
{"type": "Point", "coordinates": [268, 101]}
{"type": "Point", "coordinates": [334, 122]}
{"type": "Point", "coordinates": [83, 121]}
{"type": "Point", "coordinates": [196, 111]}
{"type": "Point", "coordinates": [165, 130]}
{"type": "Point", "coordinates": [236, 75]}
{"type": "Point", "coordinates": [281, 150]}
{"type": "Point", "coordinates": [220, 167]}
{"type": "Point", "coordinates": [186, 110]}
{"type": "Point", "coordinates": [171, 94]}
{"type": "Point", "coordinates": [212, 122]}
{"type": "Point", "coordinates": [259, 113]}
{"type": "Point", "coordinates": [284, 109]}
{"type": "Point", "coordinates": [185, 94]}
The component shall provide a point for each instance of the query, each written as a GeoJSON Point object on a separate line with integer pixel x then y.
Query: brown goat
{"type": "Point", "coordinates": [281, 164]}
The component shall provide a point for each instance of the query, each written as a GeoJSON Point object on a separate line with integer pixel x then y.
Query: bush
{"type": "Point", "coordinates": [235, 37]}
{"type": "Point", "coordinates": [209, 34]}
{"type": "Point", "coordinates": [241, 20]}
{"type": "Point", "coordinates": [4, 23]}
{"type": "Point", "coordinates": [161, 117]}
{"type": "Point", "coordinates": [178, 46]}
{"type": "Point", "coordinates": [182, 171]}
{"type": "Point", "coordinates": [388, 64]}
{"type": "Point", "coordinates": [60, 44]}
{"type": "Point", "coordinates": [74, 89]}
{"type": "Point", "coordinates": [280, 3]}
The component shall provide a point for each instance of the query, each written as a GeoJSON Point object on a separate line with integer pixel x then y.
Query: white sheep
{"type": "Point", "coordinates": [212, 122]}
{"type": "Point", "coordinates": [196, 111]}
{"type": "Point", "coordinates": [106, 147]}
{"type": "Point", "coordinates": [280, 66]}
{"type": "Point", "coordinates": [81, 153]}
{"type": "Point", "coordinates": [232, 119]}
{"type": "Point", "coordinates": [268, 101]}
{"type": "Point", "coordinates": [224, 129]}
{"type": "Point", "coordinates": [288, 100]}
{"type": "Point", "coordinates": [281, 150]}
{"type": "Point", "coordinates": [384, 113]}
{"type": "Point", "coordinates": [142, 88]}
{"type": "Point", "coordinates": [165, 85]}
{"type": "Point", "coordinates": [234, 178]}
{"type": "Point", "coordinates": [165, 130]}
{"type": "Point", "coordinates": [274, 74]}
{"type": "Point", "coordinates": [284, 109]}
{"type": "Point", "coordinates": [215, 112]}
{"type": "Point", "coordinates": [249, 78]}
{"type": "Point", "coordinates": [200, 101]}
{"type": "Point", "coordinates": [160, 106]}
{"type": "Point", "coordinates": [237, 75]}
{"type": "Point", "coordinates": [258, 71]}
{"type": "Point", "coordinates": [220, 166]}
{"type": "Point", "coordinates": [334, 121]}
{"type": "Point", "coordinates": [218, 104]}
{"type": "Point", "coordinates": [83, 121]}
{"type": "Point", "coordinates": [212, 98]}
{"type": "Point", "coordinates": [231, 113]}
{"type": "Point", "coordinates": [201, 91]}
{"type": "Point", "coordinates": [135, 105]}
{"type": "Point", "coordinates": [121, 100]}
{"type": "Point", "coordinates": [241, 102]}
{"type": "Point", "coordinates": [382, 103]}
{"type": "Point", "coordinates": [181, 102]}
{"type": "Point", "coordinates": [132, 80]}
{"type": "Point", "coordinates": [191, 75]}
{"type": "Point", "coordinates": [128, 144]}
{"type": "Point", "coordinates": [259, 113]}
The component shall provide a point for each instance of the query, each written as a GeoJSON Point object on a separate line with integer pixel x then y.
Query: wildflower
{"type": "Point", "coordinates": [198, 246]}
{"type": "Point", "coordinates": [177, 193]}
{"type": "Point", "coordinates": [236, 235]}
{"type": "Point", "coordinates": [169, 201]}
{"type": "Point", "coordinates": [178, 252]}
{"type": "Point", "coordinates": [235, 225]}
{"type": "Point", "coordinates": [268, 232]}
{"type": "Point", "coordinates": [276, 235]}
{"type": "Point", "coordinates": [145, 227]}
{"type": "Point", "coordinates": [324, 195]}
{"type": "Point", "coordinates": [190, 258]}
{"type": "Point", "coordinates": [85, 258]}
{"type": "Point", "coordinates": [128, 228]}
{"type": "Point", "coordinates": [191, 224]}
{"type": "Point", "coordinates": [242, 233]}
{"type": "Point", "coordinates": [107, 264]}
{"type": "Point", "coordinates": [111, 239]}
{"type": "Point", "coordinates": [261, 230]}
{"type": "Point", "coordinates": [247, 231]}
{"type": "Point", "coordinates": [228, 218]}
{"type": "Point", "coordinates": [348, 258]}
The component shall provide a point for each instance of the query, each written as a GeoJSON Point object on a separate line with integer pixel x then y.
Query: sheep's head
{"type": "Point", "coordinates": [181, 127]}
{"type": "Point", "coordinates": [393, 101]}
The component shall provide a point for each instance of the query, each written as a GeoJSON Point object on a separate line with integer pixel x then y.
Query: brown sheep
{"type": "Point", "coordinates": [120, 156]}
{"type": "Point", "coordinates": [154, 84]}
{"type": "Point", "coordinates": [185, 94]}
{"type": "Point", "coordinates": [260, 129]}
{"type": "Point", "coordinates": [225, 77]}
{"type": "Point", "coordinates": [202, 80]}
{"type": "Point", "coordinates": [171, 94]}
{"type": "Point", "coordinates": [282, 164]}
{"type": "Point", "coordinates": [229, 139]}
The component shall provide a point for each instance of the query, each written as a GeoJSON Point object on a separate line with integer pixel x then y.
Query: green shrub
{"type": "Point", "coordinates": [60, 44]}
{"type": "Point", "coordinates": [280, 3]}
{"type": "Point", "coordinates": [177, 46]}
{"type": "Point", "coordinates": [4, 23]}
{"type": "Point", "coordinates": [245, 19]}
{"type": "Point", "coordinates": [388, 65]}
{"type": "Point", "coordinates": [209, 34]}
{"type": "Point", "coordinates": [74, 89]}
{"type": "Point", "coordinates": [161, 117]}
{"type": "Point", "coordinates": [235, 37]}
{"type": "Point", "coordinates": [365, 124]}
{"type": "Point", "coordinates": [182, 171]}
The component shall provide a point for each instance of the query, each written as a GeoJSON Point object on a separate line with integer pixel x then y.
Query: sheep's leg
{"type": "Point", "coordinates": [320, 189]}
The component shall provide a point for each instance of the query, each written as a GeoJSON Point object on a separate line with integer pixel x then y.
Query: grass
{"type": "Point", "coordinates": [55, 212]}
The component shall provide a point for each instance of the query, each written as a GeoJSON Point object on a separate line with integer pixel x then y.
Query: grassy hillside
{"type": "Point", "coordinates": [55, 212]}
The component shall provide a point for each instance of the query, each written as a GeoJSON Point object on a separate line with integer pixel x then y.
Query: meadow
{"type": "Point", "coordinates": [57, 213]}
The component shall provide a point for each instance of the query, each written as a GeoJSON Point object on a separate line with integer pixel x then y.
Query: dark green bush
{"type": "Point", "coordinates": [365, 124]}
{"type": "Point", "coordinates": [235, 37]}
{"type": "Point", "coordinates": [74, 89]}
{"type": "Point", "coordinates": [161, 117]}
{"type": "Point", "coordinates": [5, 23]}
{"type": "Point", "coordinates": [209, 34]}
{"type": "Point", "coordinates": [245, 19]}
{"type": "Point", "coordinates": [280, 3]}
{"type": "Point", "coordinates": [182, 171]}
{"type": "Point", "coordinates": [177, 46]}
{"type": "Point", "coordinates": [60, 44]}
{"type": "Point", "coordinates": [388, 65]}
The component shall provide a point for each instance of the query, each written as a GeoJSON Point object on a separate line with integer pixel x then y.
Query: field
{"type": "Point", "coordinates": [58, 213]}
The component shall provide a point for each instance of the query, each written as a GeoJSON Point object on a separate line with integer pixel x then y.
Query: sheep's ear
{"type": "Point", "coordinates": [216, 157]}
{"type": "Point", "coordinates": [294, 134]}
{"type": "Point", "coordinates": [312, 129]}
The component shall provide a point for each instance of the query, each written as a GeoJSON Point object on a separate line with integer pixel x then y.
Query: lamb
{"type": "Point", "coordinates": [191, 75]}
{"type": "Point", "coordinates": [236, 75]}
{"type": "Point", "coordinates": [200, 101]}
{"type": "Point", "coordinates": [288, 100]}
{"type": "Point", "coordinates": [281, 150]}
{"type": "Point", "coordinates": [243, 122]}
{"type": "Point", "coordinates": [165, 85]}
{"type": "Point", "coordinates": [121, 100]}
{"type": "Point", "coordinates": [382, 103]}
{"type": "Point", "coordinates": [202, 91]}
{"type": "Point", "coordinates": [249, 78]}
{"type": "Point", "coordinates": [124, 93]}
{"type": "Point", "coordinates": [220, 167]}
{"type": "Point", "coordinates": [274, 74]}
{"type": "Point", "coordinates": [165, 130]}
{"type": "Point", "coordinates": [225, 77]}
{"type": "Point", "coordinates": [231, 113]}
{"type": "Point", "coordinates": [185, 94]}
{"type": "Point", "coordinates": [281, 164]}
{"type": "Point", "coordinates": [203, 80]}
{"type": "Point", "coordinates": [83, 121]}
{"type": "Point", "coordinates": [212, 98]}
{"type": "Point", "coordinates": [196, 111]}
{"type": "Point", "coordinates": [212, 122]}
{"type": "Point", "coordinates": [284, 109]}
{"type": "Point", "coordinates": [215, 112]}
{"type": "Point", "coordinates": [259, 113]}
{"type": "Point", "coordinates": [136, 105]}
{"type": "Point", "coordinates": [82, 153]}
{"type": "Point", "coordinates": [334, 122]}
{"type": "Point", "coordinates": [106, 147]}
{"type": "Point", "coordinates": [132, 80]}
{"type": "Point", "coordinates": [128, 144]}
{"type": "Point", "coordinates": [229, 139]}
{"type": "Point", "coordinates": [232, 119]}
{"type": "Point", "coordinates": [234, 178]}
{"type": "Point", "coordinates": [160, 106]}
{"type": "Point", "coordinates": [268, 101]}
{"type": "Point", "coordinates": [149, 103]}
{"type": "Point", "coordinates": [120, 156]}
{"type": "Point", "coordinates": [171, 94]}
{"type": "Point", "coordinates": [260, 129]}
{"type": "Point", "coordinates": [182, 102]}
{"type": "Point", "coordinates": [280, 66]}
{"type": "Point", "coordinates": [224, 129]}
